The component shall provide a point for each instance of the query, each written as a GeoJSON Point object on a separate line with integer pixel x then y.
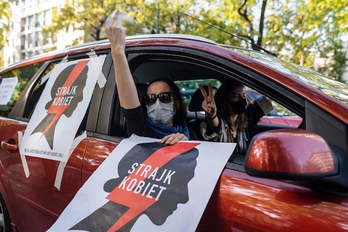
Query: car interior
{"type": "Point", "coordinates": [188, 76]}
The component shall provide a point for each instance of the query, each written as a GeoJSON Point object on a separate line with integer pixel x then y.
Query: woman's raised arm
{"type": "Point", "coordinates": [126, 89]}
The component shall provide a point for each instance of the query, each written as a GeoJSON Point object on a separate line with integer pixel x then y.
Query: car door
{"type": "Point", "coordinates": [37, 202]}
{"type": "Point", "coordinates": [100, 144]}
{"type": "Point", "coordinates": [9, 125]}
{"type": "Point", "coordinates": [239, 202]}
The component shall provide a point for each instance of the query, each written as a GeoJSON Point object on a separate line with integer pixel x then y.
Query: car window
{"type": "Point", "coordinates": [324, 84]}
{"type": "Point", "coordinates": [24, 75]}
{"type": "Point", "coordinates": [188, 77]}
{"type": "Point", "coordinates": [189, 87]}
{"type": "Point", "coordinates": [278, 110]}
{"type": "Point", "coordinates": [36, 92]}
{"type": "Point", "coordinates": [279, 116]}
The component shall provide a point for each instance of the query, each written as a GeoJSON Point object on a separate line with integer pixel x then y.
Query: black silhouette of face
{"type": "Point", "coordinates": [64, 103]}
{"type": "Point", "coordinates": [78, 94]}
{"type": "Point", "coordinates": [177, 192]}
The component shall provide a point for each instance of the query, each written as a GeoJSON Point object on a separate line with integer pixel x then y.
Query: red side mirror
{"type": "Point", "coordinates": [290, 154]}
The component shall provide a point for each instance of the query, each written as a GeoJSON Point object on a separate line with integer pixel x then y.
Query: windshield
{"type": "Point", "coordinates": [328, 86]}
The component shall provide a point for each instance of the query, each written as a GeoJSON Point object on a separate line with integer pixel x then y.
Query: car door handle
{"type": "Point", "coordinates": [8, 147]}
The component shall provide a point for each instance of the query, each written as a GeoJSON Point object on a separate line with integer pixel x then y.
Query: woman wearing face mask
{"type": "Point", "coordinates": [165, 116]}
{"type": "Point", "coordinates": [230, 116]}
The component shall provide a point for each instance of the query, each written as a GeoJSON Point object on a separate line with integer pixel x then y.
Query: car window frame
{"type": "Point", "coordinates": [232, 70]}
{"type": "Point", "coordinates": [18, 108]}
{"type": "Point", "coordinates": [31, 89]}
{"type": "Point", "coordinates": [93, 111]}
{"type": "Point", "coordinates": [132, 55]}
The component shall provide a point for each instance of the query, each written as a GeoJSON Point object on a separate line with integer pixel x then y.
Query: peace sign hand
{"type": "Point", "coordinates": [208, 103]}
{"type": "Point", "coordinates": [116, 34]}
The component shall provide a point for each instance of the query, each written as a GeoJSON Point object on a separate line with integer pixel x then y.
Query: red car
{"type": "Point", "coordinates": [294, 176]}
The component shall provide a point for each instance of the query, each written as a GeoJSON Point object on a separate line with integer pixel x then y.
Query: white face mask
{"type": "Point", "coordinates": [161, 112]}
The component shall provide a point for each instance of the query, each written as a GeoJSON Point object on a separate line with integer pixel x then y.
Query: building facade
{"type": "Point", "coordinates": [26, 38]}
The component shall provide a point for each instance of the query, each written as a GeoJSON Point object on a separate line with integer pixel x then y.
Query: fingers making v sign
{"type": "Point", "coordinates": [208, 103]}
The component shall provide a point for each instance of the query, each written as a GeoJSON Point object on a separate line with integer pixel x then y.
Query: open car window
{"type": "Point", "coordinates": [279, 116]}
{"type": "Point", "coordinates": [188, 75]}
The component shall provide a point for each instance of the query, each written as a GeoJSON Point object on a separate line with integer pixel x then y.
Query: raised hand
{"type": "Point", "coordinates": [116, 34]}
{"type": "Point", "coordinates": [208, 103]}
{"type": "Point", "coordinates": [127, 92]}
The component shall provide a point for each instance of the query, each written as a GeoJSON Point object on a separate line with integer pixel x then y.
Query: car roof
{"type": "Point", "coordinates": [329, 104]}
{"type": "Point", "coordinates": [98, 45]}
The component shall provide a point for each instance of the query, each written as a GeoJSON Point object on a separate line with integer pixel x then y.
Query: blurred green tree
{"type": "Point", "coordinates": [90, 16]}
{"type": "Point", "coordinates": [5, 15]}
{"type": "Point", "coordinates": [299, 31]}
{"type": "Point", "coordinates": [86, 15]}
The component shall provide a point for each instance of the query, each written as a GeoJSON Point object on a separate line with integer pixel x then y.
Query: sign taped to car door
{"type": "Point", "coordinates": [51, 131]}
{"type": "Point", "coordinates": [7, 87]}
{"type": "Point", "coordinates": [144, 185]}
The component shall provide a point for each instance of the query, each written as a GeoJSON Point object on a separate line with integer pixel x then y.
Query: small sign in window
{"type": "Point", "coordinates": [7, 87]}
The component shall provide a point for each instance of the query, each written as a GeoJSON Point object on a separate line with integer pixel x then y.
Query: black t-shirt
{"type": "Point", "coordinates": [136, 123]}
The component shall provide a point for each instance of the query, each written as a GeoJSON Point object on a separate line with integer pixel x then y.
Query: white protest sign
{"type": "Point", "coordinates": [144, 185]}
{"type": "Point", "coordinates": [50, 133]}
{"type": "Point", "coordinates": [7, 87]}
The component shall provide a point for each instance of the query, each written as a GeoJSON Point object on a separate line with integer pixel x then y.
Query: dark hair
{"type": "Point", "coordinates": [180, 114]}
{"type": "Point", "coordinates": [222, 103]}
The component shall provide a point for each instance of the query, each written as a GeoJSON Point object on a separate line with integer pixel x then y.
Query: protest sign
{"type": "Point", "coordinates": [144, 185]}
{"type": "Point", "coordinates": [51, 131]}
{"type": "Point", "coordinates": [7, 87]}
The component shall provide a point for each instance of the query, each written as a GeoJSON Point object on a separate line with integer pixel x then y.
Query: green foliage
{"type": "Point", "coordinates": [297, 30]}
{"type": "Point", "coordinates": [337, 69]}
{"type": "Point", "coordinates": [86, 15]}
{"type": "Point", "coordinates": [5, 15]}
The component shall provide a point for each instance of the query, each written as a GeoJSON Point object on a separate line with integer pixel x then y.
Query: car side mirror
{"type": "Point", "coordinates": [292, 154]}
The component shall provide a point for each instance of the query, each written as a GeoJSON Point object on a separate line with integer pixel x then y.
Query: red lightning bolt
{"type": "Point", "coordinates": [137, 203]}
{"type": "Point", "coordinates": [59, 110]}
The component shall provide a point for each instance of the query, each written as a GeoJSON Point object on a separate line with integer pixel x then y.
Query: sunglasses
{"type": "Point", "coordinates": [165, 97]}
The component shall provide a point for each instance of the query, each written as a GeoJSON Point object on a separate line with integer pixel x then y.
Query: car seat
{"type": "Point", "coordinates": [195, 114]}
